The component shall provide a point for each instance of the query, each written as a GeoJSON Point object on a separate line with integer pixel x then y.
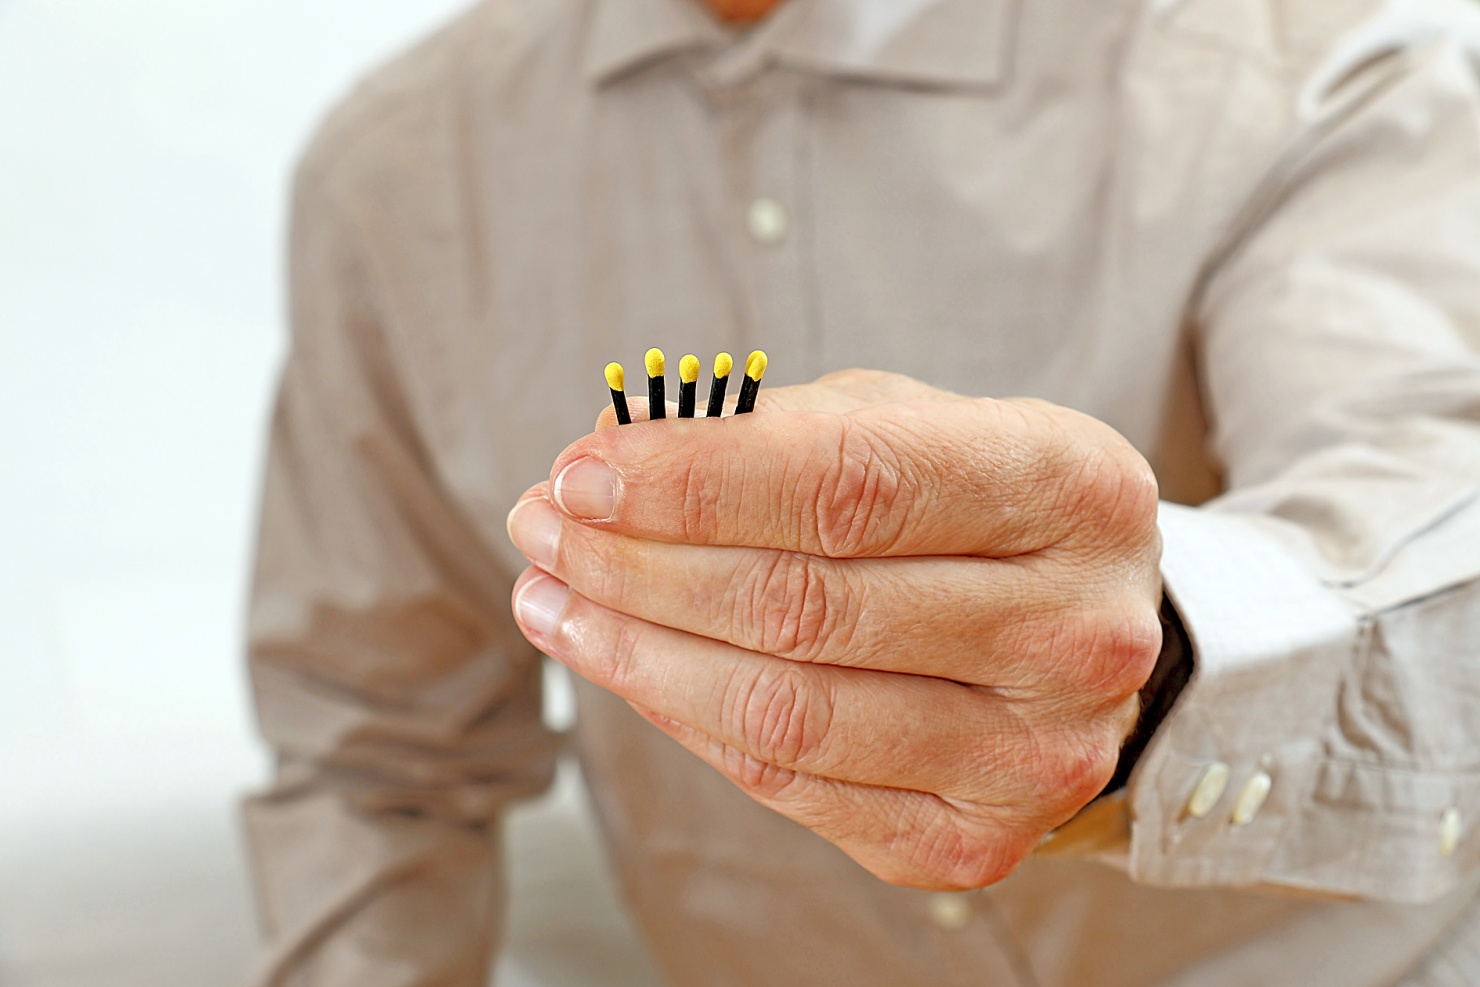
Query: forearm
{"type": "Point", "coordinates": [1341, 717]}
{"type": "Point", "coordinates": [371, 899]}
{"type": "Point", "coordinates": [376, 852]}
{"type": "Point", "coordinates": [390, 682]}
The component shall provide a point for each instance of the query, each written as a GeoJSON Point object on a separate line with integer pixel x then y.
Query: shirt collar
{"type": "Point", "coordinates": [627, 33]}
{"type": "Point", "coordinates": [929, 42]}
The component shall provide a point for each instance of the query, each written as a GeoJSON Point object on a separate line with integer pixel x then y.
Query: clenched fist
{"type": "Point", "coordinates": [914, 622]}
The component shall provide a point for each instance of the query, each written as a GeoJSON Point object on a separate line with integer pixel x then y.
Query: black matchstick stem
{"type": "Point", "coordinates": [619, 402]}
{"type": "Point", "coordinates": [616, 380]}
{"type": "Point", "coordinates": [755, 368]}
{"type": "Point", "coordinates": [722, 364]}
{"type": "Point", "coordinates": [749, 388]}
{"type": "Point", "coordinates": [657, 391]}
{"type": "Point", "coordinates": [688, 385]}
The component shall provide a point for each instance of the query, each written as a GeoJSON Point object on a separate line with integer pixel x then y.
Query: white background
{"type": "Point", "coordinates": [145, 147]}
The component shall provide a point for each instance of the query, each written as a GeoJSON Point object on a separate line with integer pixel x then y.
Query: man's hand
{"type": "Point", "coordinates": [914, 622]}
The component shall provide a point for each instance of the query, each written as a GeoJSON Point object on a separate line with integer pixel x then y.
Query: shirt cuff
{"type": "Point", "coordinates": [1232, 767]}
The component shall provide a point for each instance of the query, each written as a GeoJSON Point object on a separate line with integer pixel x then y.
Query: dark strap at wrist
{"type": "Point", "coordinates": [1158, 695]}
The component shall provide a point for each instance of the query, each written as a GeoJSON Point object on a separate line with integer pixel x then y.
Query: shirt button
{"type": "Point", "coordinates": [1449, 831]}
{"type": "Point", "coordinates": [767, 221]}
{"type": "Point", "coordinates": [1251, 799]}
{"type": "Point", "coordinates": [950, 911]}
{"type": "Point", "coordinates": [1208, 790]}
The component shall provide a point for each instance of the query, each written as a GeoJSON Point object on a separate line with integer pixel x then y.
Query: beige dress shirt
{"type": "Point", "coordinates": [1246, 233]}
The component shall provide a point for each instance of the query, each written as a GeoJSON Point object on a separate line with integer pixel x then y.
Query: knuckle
{"type": "Point", "coordinates": [1110, 492]}
{"type": "Point", "coordinates": [1106, 490]}
{"type": "Point", "coordinates": [1103, 654]}
{"type": "Point", "coordinates": [703, 483]}
{"type": "Point", "coordinates": [695, 495]}
{"type": "Point", "coordinates": [1131, 647]}
{"type": "Point", "coordinates": [854, 498]}
{"type": "Point", "coordinates": [780, 716]}
{"type": "Point", "coordinates": [628, 642]}
{"type": "Point", "coordinates": [609, 581]}
{"type": "Point", "coordinates": [982, 864]}
{"type": "Point", "coordinates": [757, 778]}
{"type": "Point", "coordinates": [790, 606]}
{"type": "Point", "coordinates": [956, 854]}
{"type": "Point", "coordinates": [1075, 768]}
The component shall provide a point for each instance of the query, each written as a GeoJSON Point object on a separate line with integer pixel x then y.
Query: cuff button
{"type": "Point", "coordinates": [767, 221]}
{"type": "Point", "coordinates": [1208, 790]}
{"type": "Point", "coordinates": [950, 910]}
{"type": "Point", "coordinates": [1251, 798]}
{"type": "Point", "coordinates": [1450, 825]}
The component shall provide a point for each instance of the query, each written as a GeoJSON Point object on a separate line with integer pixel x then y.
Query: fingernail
{"type": "Point", "coordinates": [539, 603]}
{"type": "Point", "coordinates": [587, 488]}
{"type": "Point", "coordinates": [534, 528]}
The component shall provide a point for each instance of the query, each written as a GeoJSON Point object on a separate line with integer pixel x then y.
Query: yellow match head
{"type": "Point", "coordinates": [615, 378]}
{"type": "Point", "coordinates": [654, 362]}
{"type": "Point", "coordinates": [688, 369]}
{"type": "Point", "coordinates": [755, 365]}
{"type": "Point", "coordinates": [723, 364]}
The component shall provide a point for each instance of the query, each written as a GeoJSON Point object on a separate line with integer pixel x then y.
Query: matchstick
{"type": "Point", "coordinates": [657, 393]}
{"type": "Point", "coordinates": [755, 368]}
{"type": "Point", "coordinates": [615, 379]}
{"type": "Point", "coordinates": [722, 364]}
{"type": "Point", "coordinates": [688, 385]}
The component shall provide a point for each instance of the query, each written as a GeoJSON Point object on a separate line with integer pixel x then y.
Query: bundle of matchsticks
{"type": "Point", "coordinates": [688, 386]}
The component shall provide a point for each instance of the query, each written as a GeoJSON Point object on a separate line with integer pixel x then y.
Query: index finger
{"type": "Point", "coordinates": [979, 477]}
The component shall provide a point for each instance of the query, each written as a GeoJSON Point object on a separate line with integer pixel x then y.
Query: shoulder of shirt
{"type": "Point", "coordinates": [386, 128]}
{"type": "Point", "coordinates": [1314, 48]}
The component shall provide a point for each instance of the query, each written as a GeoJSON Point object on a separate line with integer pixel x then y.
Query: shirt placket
{"type": "Point", "coordinates": [760, 117]}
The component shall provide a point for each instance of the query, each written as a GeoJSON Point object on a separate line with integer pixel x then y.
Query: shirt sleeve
{"type": "Point", "coordinates": [1329, 739]}
{"type": "Point", "coordinates": [400, 699]}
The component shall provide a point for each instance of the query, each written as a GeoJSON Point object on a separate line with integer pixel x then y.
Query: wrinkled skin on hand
{"type": "Point", "coordinates": [914, 622]}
